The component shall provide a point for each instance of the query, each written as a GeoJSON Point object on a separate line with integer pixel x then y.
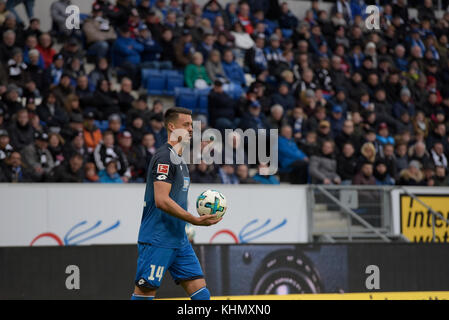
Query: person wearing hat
{"type": "Point", "coordinates": [37, 156]}
{"type": "Point", "coordinates": [99, 33]}
{"type": "Point", "coordinates": [152, 50]}
{"type": "Point", "coordinates": [55, 70]}
{"type": "Point", "coordinates": [411, 176]}
{"type": "Point", "coordinates": [336, 120]}
{"type": "Point", "coordinates": [92, 134]}
{"type": "Point", "coordinates": [137, 128]}
{"type": "Point", "coordinates": [157, 129]}
{"type": "Point", "coordinates": [126, 54]}
{"type": "Point", "coordinates": [184, 49]}
{"type": "Point", "coordinates": [383, 136]}
{"type": "Point", "coordinates": [11, 99]}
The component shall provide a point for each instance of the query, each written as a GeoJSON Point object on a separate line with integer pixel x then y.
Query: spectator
{"type": "Point", "coordinates": [144, 151]}
{"type": "Point", "coordinates": [419, 153]}
{"type": "Point", "coordinates": [158, 130]}
{"type": "Point", "coordinates": [411, 176]}
{"type": "Point", "coordinates": [101, 72]}
{"type": "Point", "coordinates": [323, 167]}
{"type": "Point", "coordinates": [184, 49]}
{"type": "Point", "coordinates": [381, 174]}
{"type": "Point", "coordinates": [255, 58]}
{"type": "Point", "coordinates": [261, 178]}
{"type": "Point", "coordinates": [227, 175]}
{"type": "Point", "coordinates": [5, 148]}
{"type": "Point", "coordinates": [90, 173]}
{"type": "Point", "coordinates": [92, 134]}
{"type": "Point", "coordinates": [438, 156]}
{"type": "Point", "coordinates": [195, 73]}
{"type": "Point", "coordinates": [59, 15]}
{"type": "Point", "coordinates": [14, 170]}
{"type": "Point", "coordinates": [276, 119]}
{"type": "Point", "coordinates": [21, 131]}
{"type": "Point", "coordinates": [222, 109]}
{"type": "Point", "coordinates": [51, 112]}
{"type": "Point", "coordinates": [71, 171]}
{"type": "Point", "coordinates": [126, 54]}
{"type": "Point", "coordinates": [284, 98]}
{"type": "Point", "coordinates": [214, 67]}
{"type": "Point", "coordinates": [110, 173]}
{"type": "Point", "coordinates": [365, 175]}
{"type": "Point", "coordinates": [441, 178]}
{"type": "Point", "coordinates": [107, 151]}
{"type": "Point", "coordinates": [99, 33]}
{"type": "Point", "coordinates": [243, 175]}
{"type": "Point", "coordinates": [347, 163]}
{"type": "Point", "coordinates": [37, 156]}
{"type": "Point", "coordinates": [232, 70]}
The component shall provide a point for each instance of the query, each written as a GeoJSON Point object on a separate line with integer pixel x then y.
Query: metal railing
{"type": "Point", "coordinates": [357, 213]}
{"type": "Point", "coordinates": [434, 213]}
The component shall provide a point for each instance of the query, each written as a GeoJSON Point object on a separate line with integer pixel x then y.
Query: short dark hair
{"type": "Point", "coordinates": [172, 114]}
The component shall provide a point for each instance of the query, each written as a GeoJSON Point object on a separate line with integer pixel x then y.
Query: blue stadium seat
{"type": "Point", "coordinates": [174, 80]}
{"type": "Point", "coordinates": [154, 81]}
{"type": "Point", "coordinates": [202, 106]}
{"type": "Point", "coordinates": [186, 98]}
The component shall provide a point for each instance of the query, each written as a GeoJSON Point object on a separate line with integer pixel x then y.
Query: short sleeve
{"type": "Point", "coordinates": [163, 169]}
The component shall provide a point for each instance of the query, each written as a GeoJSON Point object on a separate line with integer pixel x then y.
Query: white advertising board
{"type": "Point", "coordinates": [84, 214]}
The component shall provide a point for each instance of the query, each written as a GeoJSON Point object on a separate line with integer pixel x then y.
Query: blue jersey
{"type": "Point", "coordinates": [159, 228]}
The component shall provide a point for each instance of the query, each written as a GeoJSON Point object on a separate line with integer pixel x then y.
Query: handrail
{"type": "Point", "coordinates": [433, 212]}
{"type": "Point", "coordinates": [352, 213]}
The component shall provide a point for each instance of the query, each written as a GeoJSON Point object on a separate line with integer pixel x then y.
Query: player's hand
{"type": "Point", "coordinates": [206, 220]}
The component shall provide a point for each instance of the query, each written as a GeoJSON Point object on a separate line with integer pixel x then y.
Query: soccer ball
{"type": "Point", "coordinates": [211, 202]}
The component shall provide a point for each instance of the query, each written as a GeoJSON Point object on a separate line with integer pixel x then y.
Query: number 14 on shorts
{"type": "Point", "coordinates": [159, 272]}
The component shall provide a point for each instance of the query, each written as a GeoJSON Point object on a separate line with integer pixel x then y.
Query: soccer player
{"type": "Point", "coordinates": [162, 242]}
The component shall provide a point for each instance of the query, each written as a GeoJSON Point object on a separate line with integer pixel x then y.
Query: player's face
{"type": "Point", "coordinates": [184, 127]}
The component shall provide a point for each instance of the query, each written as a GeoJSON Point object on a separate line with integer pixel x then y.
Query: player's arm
{"type": "Point", "coordinates": [165, 203]}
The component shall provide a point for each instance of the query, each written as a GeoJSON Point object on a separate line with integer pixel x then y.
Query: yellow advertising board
{"type": "Point", "coordinates": [416, 220]}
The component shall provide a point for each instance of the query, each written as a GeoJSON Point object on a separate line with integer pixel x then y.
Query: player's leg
{"type": "Point", "coordinates": [186, 271]}
{"type": "Point", "coordinates": [196, 289]}
{"type": "Point", "coordinates": [151, 266]}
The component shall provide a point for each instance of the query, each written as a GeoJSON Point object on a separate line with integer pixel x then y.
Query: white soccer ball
{"type": "Point", "coordinates": [211, 202]}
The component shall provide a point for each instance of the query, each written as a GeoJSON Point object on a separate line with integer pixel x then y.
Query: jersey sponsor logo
{"type": "Point", "coordinates": [163, 168]}
{"type": "Point", "coordinates": [186, 184]}
{"type": "Point", "coordinates": [161, 177]}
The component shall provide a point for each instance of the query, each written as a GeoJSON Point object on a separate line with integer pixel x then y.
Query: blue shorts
{"type": "Point", "coordinates": [153, 262]}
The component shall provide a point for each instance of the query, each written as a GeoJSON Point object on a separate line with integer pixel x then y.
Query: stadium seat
{"type": "Point", "coordinates": [186, 98]}
{"type": "Point", "coordinates": [174, 79]}
{"type": "Point", "coordinates": [154, 81]}
{"type": "Point", "coordinates": [202, 106]}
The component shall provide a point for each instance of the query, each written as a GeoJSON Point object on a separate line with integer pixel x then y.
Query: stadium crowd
{"type": "Point", "coordinates": [352, 105]}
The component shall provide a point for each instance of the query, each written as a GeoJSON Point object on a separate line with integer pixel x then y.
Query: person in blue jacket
{"type": "Point", "coordinates": [110, 174]}
{"type": "Point", "coordinates": [126, 54]}
{"type": "Point", "coordinates": [265, 179]}
{"type": "Point", "coordinates": [291, 159]}
{"type": "Point", "coordinates": [232, 69]}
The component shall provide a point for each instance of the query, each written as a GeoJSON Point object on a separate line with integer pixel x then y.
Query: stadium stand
{"type": "Point", "coordinates": [311, 69]}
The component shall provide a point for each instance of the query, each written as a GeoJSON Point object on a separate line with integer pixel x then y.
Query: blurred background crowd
{"type": "Point", "coordinates": [352, 105]}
